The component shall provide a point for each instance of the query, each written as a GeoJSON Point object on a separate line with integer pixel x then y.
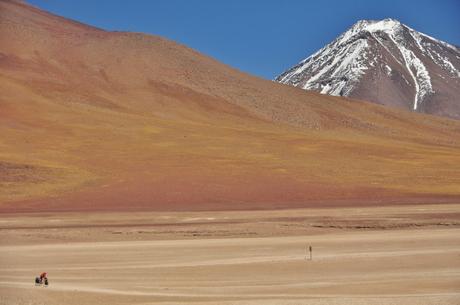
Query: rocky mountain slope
{"type": "Point", "coordinates": [98, 120]}
{"type": "Point", "coordinates": [388, 63]}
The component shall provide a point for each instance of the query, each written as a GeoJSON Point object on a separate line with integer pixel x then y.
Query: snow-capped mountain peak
{"type": "Point", "coordinates": [386, 25]}
{"type": "Point", "coordinates": [386, 62]}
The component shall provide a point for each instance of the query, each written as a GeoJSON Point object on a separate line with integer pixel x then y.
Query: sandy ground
{"type": "Point", "coordinates": [389, 255]}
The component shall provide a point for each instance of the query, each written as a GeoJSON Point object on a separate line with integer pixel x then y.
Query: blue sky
{"type": "Point", "coordinates": [262, 37]}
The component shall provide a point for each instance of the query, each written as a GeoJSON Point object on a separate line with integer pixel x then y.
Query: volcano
{"type": "Point", "coordinates": [388, 63]}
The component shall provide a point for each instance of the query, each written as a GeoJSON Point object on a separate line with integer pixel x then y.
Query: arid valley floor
{"type": "Point", "coordinates": [368, 255]}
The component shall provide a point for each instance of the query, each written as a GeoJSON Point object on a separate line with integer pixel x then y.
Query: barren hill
{"type": "Point", "coordinates": [97, 120]}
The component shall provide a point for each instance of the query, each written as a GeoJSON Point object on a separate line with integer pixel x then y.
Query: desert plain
{"type": "Point", "coordinates": [407, 254]}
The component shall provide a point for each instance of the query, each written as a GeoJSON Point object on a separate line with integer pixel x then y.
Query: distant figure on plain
{"type": "Point", "coordinates": [42, 279]}
{"type": "Point", "coordinates": [310, 250]}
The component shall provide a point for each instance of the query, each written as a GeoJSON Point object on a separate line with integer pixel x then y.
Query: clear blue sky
{"type": "Point", "coordinates": [262, 37]}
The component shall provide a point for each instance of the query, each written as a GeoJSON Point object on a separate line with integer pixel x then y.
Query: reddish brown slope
{"type": "Point", "coordinates": [91, 119]}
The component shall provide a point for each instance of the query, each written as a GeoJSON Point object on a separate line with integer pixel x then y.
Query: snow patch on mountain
{"type": "Point", "coordinates": [388, 70]}
{"type": "Point", "coordinates": [346, 66]}
{"type": "Point", "coordinates": [421, 77]}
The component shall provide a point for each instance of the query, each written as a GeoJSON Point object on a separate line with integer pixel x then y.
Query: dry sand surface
{"type": "Point", "coordinates": [388, 255]}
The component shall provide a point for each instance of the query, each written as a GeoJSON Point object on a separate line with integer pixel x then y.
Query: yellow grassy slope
{"type": "Point", "coordinates": [99, 120]}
